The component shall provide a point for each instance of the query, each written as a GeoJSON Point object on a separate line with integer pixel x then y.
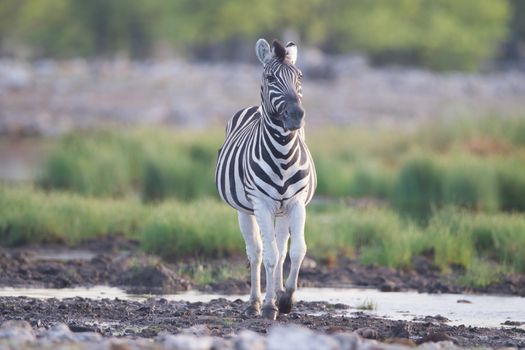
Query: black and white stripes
{"type": "Point", "coordinates": [265, 171]}
{"type": "Point", "coordinates": [260, 156]}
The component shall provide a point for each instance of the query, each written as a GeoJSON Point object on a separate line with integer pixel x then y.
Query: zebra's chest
{"type": "Point", "coordinates": [278, 181]}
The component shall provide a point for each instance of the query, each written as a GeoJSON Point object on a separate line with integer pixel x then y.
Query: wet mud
{"type": "Point", "coordinates": [223, 318]}
{"type": "Point", "coordinates": [119, 262]}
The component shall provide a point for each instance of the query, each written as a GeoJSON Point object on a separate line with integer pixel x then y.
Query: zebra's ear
{"type": "Point", "coordinates": [279, 51]}
{"type": "Point", "coordinates": [262, 49]}
{"type": "Point", "coordinates": [291, 52]}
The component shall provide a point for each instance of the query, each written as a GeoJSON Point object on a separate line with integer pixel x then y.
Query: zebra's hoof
{"type": "Point", "coordinates": [270, 313]}
{"type": "Point", "coordinates": [285, 303]}
{"type": "Point", "coordinates": [253, 310]}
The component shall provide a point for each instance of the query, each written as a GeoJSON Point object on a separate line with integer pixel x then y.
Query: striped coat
{"type": "Point", "coordinates": [258, 158]}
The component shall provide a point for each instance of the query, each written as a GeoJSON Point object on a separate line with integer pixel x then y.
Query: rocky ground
{"type": "Point", "coordinates": [158, 323]}
{"type": "Point", "coordinates": [53, 97]}
{"type": "Point", "coordinates": [220, 324]}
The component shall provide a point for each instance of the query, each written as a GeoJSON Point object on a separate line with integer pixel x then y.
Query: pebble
{"type": "Point", "coordinates": [295, 337]}
{"type": "Point", "coordinates": [186, 342]}
{"type": "Point", "coordinates": [249, 340]}
{"type": "Point", "coordinates": [19, 331]}
{"type": "Point", "coordinates": [19, 334]}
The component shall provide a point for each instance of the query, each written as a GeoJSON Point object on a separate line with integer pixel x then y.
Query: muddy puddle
{"type": "Point", "coordinates": [451, 309]}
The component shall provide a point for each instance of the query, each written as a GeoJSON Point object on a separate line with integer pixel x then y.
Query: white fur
{"type": "Point", "coordinates": [263, 51]}
{"type": "Point", "coordinates": [252, 238]}
{"type": "Point", "coordinates": [291, 52]}
{"type": "Point", "coordinates": [275, 232]}
{"type": "Point", "coordinates": [265, 219]}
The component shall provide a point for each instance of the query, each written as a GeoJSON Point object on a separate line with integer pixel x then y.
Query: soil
{"type": "Point", "coordinates": [223, 318]}
{"type": "Point", "coordinates": [118, 262]}
{"type": "Point", "coordinates": [115, 262]}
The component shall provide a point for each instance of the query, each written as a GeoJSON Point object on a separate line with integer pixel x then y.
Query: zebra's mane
{"type": "Point", "coordinates": [279, 50]}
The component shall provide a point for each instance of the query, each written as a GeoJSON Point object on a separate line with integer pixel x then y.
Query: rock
{"type": "Point", "coordinates": [464, 301]}
{"type": "Point", "coordinates": [249, 340]}
{"type": "Point", "coordinates": [119, 344]}
{"type": "Point", "coordinates": [60, 332]}
{"type": "Point", "coordinates": [348, 341]}
{"type": "Point", "coordinates": [442, 345]}
{"type": "Point", "coordinates": [389, 286]}
{"type": "Point", "coordinates": [14, 75]}
{"type": "Point", "coordinates": [309, 263]}
{"type": "Point", "coordinates": [512, 323]}
{"type": "Point", "coordinates": [401, 341]}
{"type": "Point", "coordinates": [17, 331]}
{"type": "Point", "coordinates": [197, 330]}
{"type": "Point", "coordinates": [186, 342]}
{"type": "Point", "coordinates": [157, 278]}
{"type": "Point", "coordinates": [432, 319]}
{"type": "Point", "coordinates": [295, 337]}
{"type": "Point", "coordinates": [88, 337]}
{"type": "Point", "coordinates": [436, 337]}
{"type": "Point", "coordinates": [368, 333]}
{"type": "Point", "coordinates": [400, 330]}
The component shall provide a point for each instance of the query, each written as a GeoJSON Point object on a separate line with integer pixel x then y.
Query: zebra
{"type": "Point", "coordinates": [265, 171]}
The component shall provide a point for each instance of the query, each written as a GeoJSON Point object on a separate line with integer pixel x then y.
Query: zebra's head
{"type": "Point", "coordinates": [281, 92]}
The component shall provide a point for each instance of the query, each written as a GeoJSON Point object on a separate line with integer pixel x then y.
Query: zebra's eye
{"type": "Point", "coordinates": [271, 78]}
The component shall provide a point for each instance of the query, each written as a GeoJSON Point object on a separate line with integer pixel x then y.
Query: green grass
{"type": "Point", "coordinates": [367, 304]}
{"type": "Point", "coordinates": [418, 188]}
{"type": "Point", "coordinates": [207, 228]}
{"type": "Point", "coordinates": [479, 165]}
{"type": "Point", "coordinates": [204, 228]}
{"type": "Point", "coordinates": [31, 216]}
{"type": "Point", "coordinates": [155, 163]}
{"type": "Point", "coordinates": [471, 183]}
{"type": "Point", "coordinates": [454, 190]}
{"type": "Point", "coordinates": [206, 273]}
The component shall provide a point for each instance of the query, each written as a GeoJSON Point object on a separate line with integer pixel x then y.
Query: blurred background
{"type": "Point", "coordinates": [415, 117]}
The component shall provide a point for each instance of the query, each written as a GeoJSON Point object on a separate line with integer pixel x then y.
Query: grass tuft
{"type": "Point", "coordinates": [367, 304]}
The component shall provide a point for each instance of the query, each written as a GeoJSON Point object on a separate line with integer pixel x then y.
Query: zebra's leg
{"type": "Point", "coordinates": [297, 218]}
{"type": "Point", "coordinates": [250, 232]}
{"type": "Point", "coordinates": [282, 233]}
{"type": "Point", "coordinates": [265, 219]}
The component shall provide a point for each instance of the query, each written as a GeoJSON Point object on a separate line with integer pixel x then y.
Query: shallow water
{"type": "Point", "coordinates": [482, 311]}
{"type": "Point", "coordinates": [63, 255]}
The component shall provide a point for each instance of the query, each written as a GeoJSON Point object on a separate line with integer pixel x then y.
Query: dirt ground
{"type": "Point", "coordinates": [118, 262]}
{"type": "Point", "coordinates": [223, 318]}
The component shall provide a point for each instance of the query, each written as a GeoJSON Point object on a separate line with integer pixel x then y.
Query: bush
{"type": "Point", "coordinates": [511, 185]}
{"type": "Point", "coordinates": [471, 184]}
{"type": "Point", "coordinates": [333, 177]}
{"type": "Point", "coordinates": [29, 216]}
{"type": "Point", "coordinates": [371, 179]}
{"type": "Point", "coordinates": [96, 164]}
{"type": "Point", "coordinates": [179, 175]}
{"type": "Point", "coordinates": [157, 164]}
{"type": "Point", "coordinates": [459, 238]}
{"type": "Point", "coordinates": [417, 190]}
{"type": "Point", "coordinates": [443, 34]}
{"type": "Point", "coordinates": [376, 236]}
{"type": "Point", "coordinates": [206, 228]}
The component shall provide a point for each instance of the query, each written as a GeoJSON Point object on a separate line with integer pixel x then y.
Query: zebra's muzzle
{"type": "Point", "coordinates": [293, 117]}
